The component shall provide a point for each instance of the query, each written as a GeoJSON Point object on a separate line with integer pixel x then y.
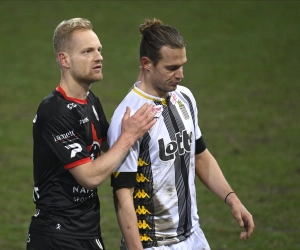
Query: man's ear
{"type": "Point", "coordinates": [62, 57]}
{"type": "Point", "coordinates": [146, 63]}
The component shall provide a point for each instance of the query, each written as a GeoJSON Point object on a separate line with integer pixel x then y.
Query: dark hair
{"type": "Point", "coordinates": [156, 35]}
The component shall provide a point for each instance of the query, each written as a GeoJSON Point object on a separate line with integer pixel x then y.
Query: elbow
{"type": "Point", "coordinates": [88, 184]}
{"type": "Point", "coordinates": [85, 177]}
{"type": "Point", "coordinates": [92, 183]}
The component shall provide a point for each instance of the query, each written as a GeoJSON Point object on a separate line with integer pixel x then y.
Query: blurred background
{"type": "Point", "coordinates": [243, 69]}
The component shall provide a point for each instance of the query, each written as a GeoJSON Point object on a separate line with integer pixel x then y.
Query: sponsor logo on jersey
{"type": "Point", "coordinates": [158, 109]}
{"type": "Point", "coordinates": [142, 163]}
{"type": "Point", "coordinates": [75, 148]}
{"type": "Point", "coordinates": [80, 190]}
{"type": "Point", "coordinates": [142, 210]}
{"type": "Point", "coordinates": [141, 178]}
{"type": "Point", "coordinates": [64, 137]}
{"type": "Point", "coordinates": [85, 120]}
{"type": "Point", "coordinates": [95, 112]}
{"type": "Point", "coordinates": [141, 194]}
{"type": "Point", "coordinates": [142, 224]}
{"type": "Point", "coordinates": [173, 98]}
{"type": "Point", "coordinates": [145, 237]}
{"type": "Point", "coordinates": [71, 106]}
{"type": "Point", "coordinates": [181, 145]}
{"type": "Point", "coordinates": [82, 194]}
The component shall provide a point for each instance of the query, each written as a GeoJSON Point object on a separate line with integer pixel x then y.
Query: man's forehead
{"type": "Point", "coordinates": [173, 56]}
{"type": "Point", "coordinates": [85, 38]}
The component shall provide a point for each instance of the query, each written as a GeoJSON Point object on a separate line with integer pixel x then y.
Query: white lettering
{"type": "Point", "coordinates": [65, 136]}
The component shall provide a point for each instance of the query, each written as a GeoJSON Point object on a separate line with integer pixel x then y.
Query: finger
{"type": "Point", "coordinates": [240, 222]}
{"type": "Point", "coordinates": [127, 113]}
{"type": "Point", "coordinates": [149, 113]}
{"type": "Point", "coordinates": [143, 110]}
{"type": "Point", "coordinates": [243, 236]}
{"type": "Point", "coordinates": [249, 228]}
{"type": "Point", "coordinates": [150, 123]}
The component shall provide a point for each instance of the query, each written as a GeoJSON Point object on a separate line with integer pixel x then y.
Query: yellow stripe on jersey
{"type": "Point", "coordinates": [116, 174]}
{"type": "Point", "coordinates": [162, 100]}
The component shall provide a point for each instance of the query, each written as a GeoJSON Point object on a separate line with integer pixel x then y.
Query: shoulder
{"type": "Point", "coordinates": [184, 90]}
{"type": "Point", "coordinates": [54, 106]}
{"type": "Point", "coordinates": [185, 94]}
{"type": "Point", "coordinates": [131, 100]}
{"type": "Point", "coordinates": [48, 104]}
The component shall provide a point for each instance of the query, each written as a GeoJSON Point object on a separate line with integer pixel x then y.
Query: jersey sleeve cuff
{"type": "Point", "coordinates": [77, 163]}
{"type": "Point", "coordinates": [200, 145]}
{"type": "Point", "coordinates": [123, 180]}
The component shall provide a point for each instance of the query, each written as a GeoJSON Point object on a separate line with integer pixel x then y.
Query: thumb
{"type": "Point", "coordinates": [240, 222]}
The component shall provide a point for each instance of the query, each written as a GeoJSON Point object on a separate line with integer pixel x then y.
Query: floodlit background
{"type": "Point", "coordinates": [243, 68]}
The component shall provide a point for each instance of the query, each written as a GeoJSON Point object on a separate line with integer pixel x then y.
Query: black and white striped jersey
{"type": "Point", "coordinates": [161, 166]}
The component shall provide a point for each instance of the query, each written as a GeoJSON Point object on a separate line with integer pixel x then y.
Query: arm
{"type": "Point", "coordinates": [127, 218]}
{"type": "Point", "coordinates": [104, 147]}
{"type": "Point", "coordinates": [209, 172]}
{"type": "Point", "coordinates": [90, 175]}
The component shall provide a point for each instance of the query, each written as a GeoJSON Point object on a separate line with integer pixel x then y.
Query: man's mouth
{"type": "Point", "coordinates": [98, 67]}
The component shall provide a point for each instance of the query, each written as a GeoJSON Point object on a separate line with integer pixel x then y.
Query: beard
{"type": "Point", "coordinates": [87, 79]}
{"type": "Point", "coordinates": [163, 87]}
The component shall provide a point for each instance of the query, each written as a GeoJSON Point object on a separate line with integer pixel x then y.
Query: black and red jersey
{"type": "Point", "coordinates": [67, 132]}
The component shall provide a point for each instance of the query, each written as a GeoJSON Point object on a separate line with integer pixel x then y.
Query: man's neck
{"type": "Point", "coordinates": [74, 89]}
{"type": "Point", "coordinates": [149, 90]}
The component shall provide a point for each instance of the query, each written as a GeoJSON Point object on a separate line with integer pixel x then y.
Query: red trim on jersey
{"type": "Point", "coordinates": [95, 138]}
{"type": "Point", "coordinates": [79, 101]}
{"type": "Point", "coordinates": [77, 163]}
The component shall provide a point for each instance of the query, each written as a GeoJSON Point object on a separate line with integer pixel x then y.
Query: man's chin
{"type": "Point", "coordinates": [97, 79]}
{"type": "Point", "coordinates": [173, 87]}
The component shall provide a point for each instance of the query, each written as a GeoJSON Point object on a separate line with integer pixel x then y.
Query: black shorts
{"type": "Point", "coordinates": [46, 242]}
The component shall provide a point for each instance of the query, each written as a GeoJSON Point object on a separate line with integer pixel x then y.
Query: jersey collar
{"type": "Point", "coordinates": [79, 101]}
{"type": "Point", "coordinates": [147, 96]}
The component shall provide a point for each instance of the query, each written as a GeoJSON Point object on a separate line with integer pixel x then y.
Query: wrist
{"type": "Point", "coordinates": [231, 199]}
{"type": "Point", "coordinates": [230, 193]}
{"type": "Point", "coordinates": [127, 139]}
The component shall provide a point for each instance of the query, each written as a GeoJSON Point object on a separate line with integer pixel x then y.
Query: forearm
{"type": "Point", "coordinates": [127, 219]}
{"type": "Point", "coordinates": [91, 175]}
{"type": "Point", "coordinates": [210, 174]}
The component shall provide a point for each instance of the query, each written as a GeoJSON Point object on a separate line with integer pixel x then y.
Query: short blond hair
{"type": "Point", "coordinates": [63, 32]}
